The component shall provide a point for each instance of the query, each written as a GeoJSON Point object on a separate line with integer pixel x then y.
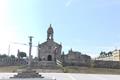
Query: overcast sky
{"type": "Point", "coordinates": [88, 26]}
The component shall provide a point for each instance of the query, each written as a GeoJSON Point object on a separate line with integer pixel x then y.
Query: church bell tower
{"type": "Point", "coordinates": [50, 33]}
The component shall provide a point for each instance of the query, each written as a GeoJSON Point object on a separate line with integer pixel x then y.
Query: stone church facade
{"type": "Point", "coordinates": [49, 51]}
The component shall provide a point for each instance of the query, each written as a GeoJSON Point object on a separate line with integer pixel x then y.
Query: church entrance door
{"type": "Point", "coordinates": [49, 58]}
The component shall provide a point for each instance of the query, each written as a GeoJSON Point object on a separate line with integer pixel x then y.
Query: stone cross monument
{"type": "Point", "coordinates": [30, 49]}
{"type": "Point", "coordinates": [29, 72]}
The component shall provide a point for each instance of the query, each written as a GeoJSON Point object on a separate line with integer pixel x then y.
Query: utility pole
{"type": "Point", "coordinates": [8, 49]}
{"type": "Point", "coordinates": [30, 49]}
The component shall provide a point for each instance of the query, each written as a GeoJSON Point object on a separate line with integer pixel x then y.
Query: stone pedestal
{"type": "Point", "coordinates": [28, 73]}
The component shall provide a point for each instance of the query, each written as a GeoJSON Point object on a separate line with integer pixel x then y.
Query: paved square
{"type": "Point", "coordinates": [70, 76]}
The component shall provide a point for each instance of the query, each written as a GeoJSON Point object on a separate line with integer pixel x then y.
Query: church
{"type": "Point", "coordinates": [49, 54]}
{"type": "Point", "coordinates": [49, 51]}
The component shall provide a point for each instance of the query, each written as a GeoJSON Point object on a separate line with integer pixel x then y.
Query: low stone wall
{"type": "Point", "coordinates": [77, 63]}
{"type": "Point", "coordinates": [95, 63]}
{"type": "Point", "coordinates": [49, 70]}
{"type": "Point", "coordinates": [12, 62]}
{"type": "Point", "coordinates": [105, 64]}
{"type": "Point", "coordinates": [44, 64]}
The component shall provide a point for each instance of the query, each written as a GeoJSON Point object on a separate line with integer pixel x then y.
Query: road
{"type": "Point", "coordinates": [71, 76]}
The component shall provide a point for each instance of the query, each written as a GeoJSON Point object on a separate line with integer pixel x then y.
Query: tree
{"type": "Point", "coordinates": [110, 53]}
{"type": "Point", "coordinates": [12, 56]}
{"type": "Point", "coordinates": [103, 54]}
{"type": "Point", "coordinates": [3, 56]}
{"type": "Point", "coordinates": [22, 54]}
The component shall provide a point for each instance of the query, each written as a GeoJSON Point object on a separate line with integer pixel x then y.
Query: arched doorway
{"type": "Point", "coordinates": [49, 58]}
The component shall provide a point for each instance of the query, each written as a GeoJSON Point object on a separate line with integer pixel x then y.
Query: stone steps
{"type": "Point", "coordinates": [49, 70]}
{"type": "Point", "coordinates": [44, 70]}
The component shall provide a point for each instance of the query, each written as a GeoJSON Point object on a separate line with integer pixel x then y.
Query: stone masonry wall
{"type": "Point", "coordinates": [106, 64]}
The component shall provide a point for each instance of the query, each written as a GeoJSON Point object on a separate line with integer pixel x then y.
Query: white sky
{"type": "Point", "coordinates": [94, 24]}
{"type": "Point", "coordinates": [8, 32]}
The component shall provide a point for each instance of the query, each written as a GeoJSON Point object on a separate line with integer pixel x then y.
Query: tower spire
{"type": "Point", "coordinates": [50, 25]}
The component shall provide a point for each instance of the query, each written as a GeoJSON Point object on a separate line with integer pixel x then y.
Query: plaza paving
{"type": "Point", "coordinates": [71, 76]}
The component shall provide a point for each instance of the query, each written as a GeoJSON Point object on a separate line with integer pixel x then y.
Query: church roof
{"type": "Point", "coordinates": [47, 42]}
